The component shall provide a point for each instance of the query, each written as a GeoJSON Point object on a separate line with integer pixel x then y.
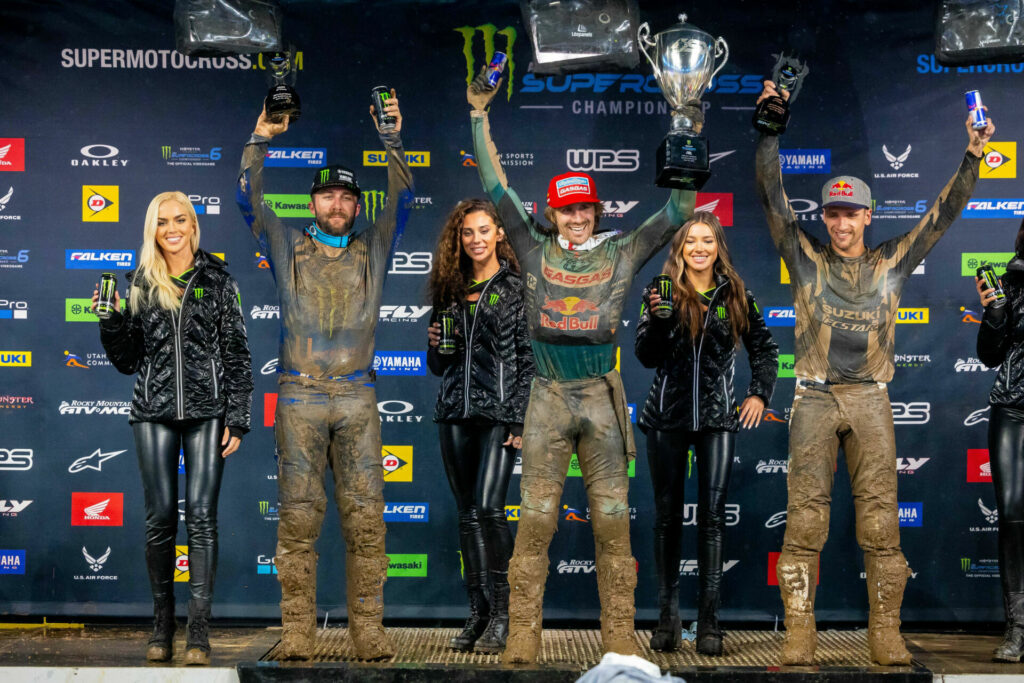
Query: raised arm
{"type": "Point", "coordinates": [657, 231]}
{"type": "Point", "coordinates": [908, 250]}
{"type": "Point", "coordinates": [266, 227]}
{"type": "Point", "coordinates": [390, 225]}
{"type": "Point", "coordinates": [234, 355]}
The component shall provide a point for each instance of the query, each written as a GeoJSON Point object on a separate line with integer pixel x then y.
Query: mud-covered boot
{"type": "Point", "coordinates": [886, 579]}
{"type": "Point", "coordinates": [197, 643]}
{"type": "Point", "coordinates": [1012, 646]}
{"type": "Point", "coordinates": [798, 579]}
{"type": "Point", "coordinates": [297, 574]}
{"type": "Point", "coordinates": [365, 577]}
{"type": "Point", "coordinates": [161, 643]}
{"type": "Point", "coordinates": [526, 576]}
{"type": "Point", "coordinates": [616, 583]}
{"type": "Point", "coordinates": [493, 639]}
{"type": "Point", "coordinates": [709, 635]}
{"type": "Point", "coordinates": [479, 614]}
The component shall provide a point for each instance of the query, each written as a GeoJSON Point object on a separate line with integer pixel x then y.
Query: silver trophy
{"type": "Point", "coordinates": [684, 65]}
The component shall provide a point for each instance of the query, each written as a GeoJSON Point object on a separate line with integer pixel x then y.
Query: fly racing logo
{"type": "Point", "coordinates": [488, 32]}
{"type": "Point", "coordinates": [909, 465]}
{"type": "Point", "coordinates": [977, 417]}
{"type": "Point", "coordinates": [11, 508]}
{"type": "Point", "coordinates": [576, 567]}
{"type": "Point", "coordinates": [617, 160]}
{"type": "Point", "coordinates": [991, 515]}
{"type": "Point", "coordinates": [92, 462]}
{"type": "Point", "coordinates": [776, 520]}
{"type": "Point", "coordinates": [689, 567]}
{"type": "Point", "coordinates": [405, 314]}
{"type": "Point", "coordinates": [772, 467]}
{"type": "Point", "coordinates": [970, 365]}
{"type": "Point", "coordinates": [617, 209]}
{"type": "Point", "coordinates": [96, 563]}
{"type": "Point", "coordinates": [265, 312]}
{"type": "Point", "coordinates": [373, 201]}
{"type": "Point", "coordinates": [896, 161]}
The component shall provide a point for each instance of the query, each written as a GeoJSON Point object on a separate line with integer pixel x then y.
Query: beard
{"type": "Point", "coordinates": [323, 222]}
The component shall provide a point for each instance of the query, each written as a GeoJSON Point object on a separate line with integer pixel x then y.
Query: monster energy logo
{"type": "Point", "coordinates": [494, 298]}
{"type": "Point", "coordinates": [264, 506]}
{"type": "Point", "coordinates": [472, 309]}
{"type": "Point", "coordinates": [721, 311]}
{"type": "Point", "coordinates": [325, 175]}
{"type": "Point", "coordinates": [488, 31]}
{"type": "Point", "coordinates": [166, 152]}
{"type": "Point", "coordinates": [198, 292]}
{"type": "Point", "coordinates": [965, 563]}
{"type": "Point", "coordinates": [373, 201]}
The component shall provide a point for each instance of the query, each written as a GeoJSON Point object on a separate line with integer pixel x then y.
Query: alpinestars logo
{"type": "Point", "coordinates": [776, 520]}
{"type": "Point", "coordinates": [576, 567]}
{"type": "Point", "coordinates": [265, 312]}
{"type": "Point", "coordinates": [488, 33]}
{"type": "Point", "coordinates": [92, 462]}
{"type": "Point", "coordinates": [970, 365]}
{"type": "Point", "coordinates": [896, 161]}
{"type": "Point", "coordinates": [977, 417]}
{"type": "Point", "coordinates": [772, 467]}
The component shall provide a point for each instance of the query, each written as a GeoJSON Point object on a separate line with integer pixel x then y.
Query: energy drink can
{"type": "Point", "coordinates": [105, 301]}
{"type": "Point", "coordinates": [446, 318]}
{"type": "Point", "coordinates": [495, 69]}
{"type": "Point", "coordinates": [379, 97]}
{"type": "Point", "coordinates": [663, 287]}
{"type": "Point", "coordinates": [976, 109]}
{"type": "Point", "coordinates": [988, 274]}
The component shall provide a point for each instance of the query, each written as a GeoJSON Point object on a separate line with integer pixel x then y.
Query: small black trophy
{"type": "Point", "coordinates": [282, 100]}
{"type": "Point", "coordinates": [772, 115]}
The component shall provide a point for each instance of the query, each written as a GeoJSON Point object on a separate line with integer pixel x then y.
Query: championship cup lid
{"type": "Point", "coordinates": [335, 176]}
{"type": "Point", "coordinates": [569, 188]}
{"type": "Point", "coordinates": [846, 190]}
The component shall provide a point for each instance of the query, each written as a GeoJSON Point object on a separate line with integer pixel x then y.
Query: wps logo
{"type": "Point", "coordinates": [97, 259]}
{"type": "Point", "coordinates": [397, 463]}
{"type": "Point", "coordinates": [97, 509]}
{"type": "Point", "coordinates": [411, 263]}
{"type": "Point", "coordinates": [718, 203]}
{"type": "Point", "coordinates": [979, 467]}
{"type": "Point", "coordinates": [780, 316]}
{"type": "Point", "coordinates": [12, 154]}
{"type": "Point", "coordinates": [380, 158]}
{"type": "Point", "coordinates": [912, 315]}
{"type": "Point", "coordinates": [999, 161]}
{"type": "Point", "coordinates": [617, 160]}
{"type": "Point", "coordinates": [488, 32]}
{"type": "Point", "coordinates": [911, 413]}
{"type": "Point", "coordinates": [300, 157]}
{"type": "Point", "coordinates": [15, 459]}
{"type": "Point", "coordinates": [100, 203]}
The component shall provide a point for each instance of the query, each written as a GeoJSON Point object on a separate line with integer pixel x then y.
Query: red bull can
{"type": "Point", "coordinates": [495, 69]}
{"type": "Point", "coordinates": [379, 97]}
{"type": "Point", "coordinates": [662, 286]}
{"type": "Point", "coordinates": [976, 109]}
{"type": "Point", "coordinates": [446, 346]}
{"type": "Point", "coordinates": [988, 274]}
{"type": "Point", "coordinates": [105, 302]}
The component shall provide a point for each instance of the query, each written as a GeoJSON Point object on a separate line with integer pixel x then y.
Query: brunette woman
{"type": "Point", "coordinates": [485, 384]}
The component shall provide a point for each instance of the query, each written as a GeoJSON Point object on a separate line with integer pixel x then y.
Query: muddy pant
{"type": "Point", "coordinates": [564, 417]}
{"type": "Point", "coordinates": [336, 423]}
{"type": "Point", "coordinates": [859, 418]}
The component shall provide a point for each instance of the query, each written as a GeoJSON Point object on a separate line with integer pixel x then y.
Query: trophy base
{"type": "Point", "coordinates": [283, 101]}
{"type": "Point", "coordinates": [771, 116]}
{"type": "Point", "coordinates": [682, 162]}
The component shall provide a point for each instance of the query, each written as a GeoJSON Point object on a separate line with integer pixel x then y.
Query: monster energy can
{"type": "Point", "coordinates": [105, 302]}
{"type": "Point", "coordinates": [379, 97]}
{"type": "Point", "coordinates": [662, 286]}
{"type": "Point", "coordinates": [988, 274]}
{"type": "Point", "coordinates": [446, 346]}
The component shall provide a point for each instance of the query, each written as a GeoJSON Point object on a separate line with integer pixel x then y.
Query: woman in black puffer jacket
{"type": "Point", "coordinates": [183, 334]}
{"type": "Point", "coordinates": [485, 386]}
{"type": "Point", "coordinates": [691, 402]}
{"type": "Point", "coordinates": [1001, 343]}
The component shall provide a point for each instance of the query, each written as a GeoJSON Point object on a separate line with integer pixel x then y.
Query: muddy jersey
{"type": "Point", "coordinates": [329, 305]}
{"type": "Point", "coordinates": [846, 308]}
{"type": "Point", "coordinates": [573, 298]}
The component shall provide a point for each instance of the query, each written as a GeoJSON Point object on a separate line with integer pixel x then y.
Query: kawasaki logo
{"type": "Point", "coordinates": [488, 31]}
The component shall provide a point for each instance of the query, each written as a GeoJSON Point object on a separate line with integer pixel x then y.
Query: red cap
{"type": "Point", "coordinates": [570, 188]}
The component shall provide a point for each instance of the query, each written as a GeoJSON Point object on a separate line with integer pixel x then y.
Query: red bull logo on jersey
{"type": "Point", "coordinates": [568, 307]}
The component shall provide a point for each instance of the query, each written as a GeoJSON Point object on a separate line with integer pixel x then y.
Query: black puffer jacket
{"type": "Point", "coordinates": [1001, 340]}
{"type": "Point", "coordinates": [678, 401]}
{"type": "Point", "coordinates": [492, 384]}
{"type": "Point", "coordinates": [192, 363]}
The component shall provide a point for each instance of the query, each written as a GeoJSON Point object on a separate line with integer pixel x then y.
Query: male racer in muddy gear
{"type": "Point", "coordinates": [329, 282]}
{"type": "Point", "coordinates": [575, 285]}
{"type": "Point", "coordinates": [846, 298]}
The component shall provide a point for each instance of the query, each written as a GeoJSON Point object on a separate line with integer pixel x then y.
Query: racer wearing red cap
{"type": "Point", "coordinates": [576, 282]}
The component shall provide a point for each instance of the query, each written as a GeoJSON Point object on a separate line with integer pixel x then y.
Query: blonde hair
{"type": "Point", "coordinates": [687, 302]}
{"type": "Point", "coordinates": [158, 290]}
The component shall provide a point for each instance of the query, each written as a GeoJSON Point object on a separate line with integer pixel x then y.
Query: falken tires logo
{"type": "Point", "coordinates": [299, 157]}
{"type": "Point", "coordinates": [780, 316]}
{"type": "Point", "coordinates": [99, 259]}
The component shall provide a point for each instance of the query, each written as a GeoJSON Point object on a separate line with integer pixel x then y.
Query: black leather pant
{"type": "Point", "coordinates": [1006, 450]}
{"type": "Point", "coordinates": [479, 468]}
{"type": "Point", "coordinates": [666, 454]}
{"type": "Point", "coordinates": [158, 444]}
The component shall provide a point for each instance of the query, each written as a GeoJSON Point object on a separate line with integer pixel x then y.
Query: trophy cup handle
{"type": "Point", "coordinates": [721, 47]}
{"type": "Point", "coordinates": [643, 38]}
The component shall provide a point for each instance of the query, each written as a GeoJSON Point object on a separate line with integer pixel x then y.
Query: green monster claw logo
{"type": "Point", "coordinates": [494, 298]}
{"type": "Point", "coordinates": [488, 31]}
{"type": "Point", "coordinates": [198, 292]}
{"type": "Point", "coordinates": [373, 201]}
{"type": "Point", "coordinates": [325, 175]}
{"type": "Point", "coordinates": [721, 312]}
{"type": "Point", "coordinates": [165, 151]}
{"type": "Point", "coordinates": [965, 563]}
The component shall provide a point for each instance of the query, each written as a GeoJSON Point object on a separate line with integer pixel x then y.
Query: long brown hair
{"type": "Point", "coordinates": [452, 266]}
{"type": "Point", "coordinates": [687, 300]}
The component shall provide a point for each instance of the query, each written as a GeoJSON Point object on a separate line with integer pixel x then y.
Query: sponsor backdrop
{"type": "Point", "coordinates": [101, 113]}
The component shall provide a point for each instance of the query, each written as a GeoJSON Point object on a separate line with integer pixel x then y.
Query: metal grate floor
{"type": "Point", "coordinates": [581, 649]}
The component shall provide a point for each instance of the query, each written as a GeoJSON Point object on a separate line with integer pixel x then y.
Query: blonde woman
{"type": "Point", "coordinates": [183, 335]}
